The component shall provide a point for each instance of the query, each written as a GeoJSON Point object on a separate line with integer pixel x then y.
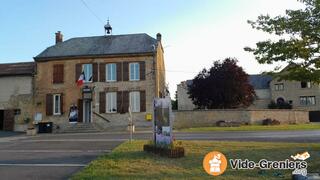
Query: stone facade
{"type": "Point", "coordinates": [292, 91]}
{"type": "Point", "coordinates": [153, 85]}
{"type": "Point", "coordinates": [204, 118]}
{"type": "Point", "coordinates": [16, 95]}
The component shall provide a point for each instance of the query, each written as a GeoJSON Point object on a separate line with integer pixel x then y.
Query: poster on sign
{"type": "Point", "coordinates": [162, 121]}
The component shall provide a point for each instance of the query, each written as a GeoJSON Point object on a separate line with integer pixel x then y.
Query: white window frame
{"type": "Point", "coordinates": [135, 69]}
{"type": "Point", "coordinates": [134, 98]}
{"type": "Point", "coordinates": [56, 103]}
{"type": "Point", "coordinates": [86, 75]}
{"type": "Point", "coordinates": [113, 73]}
{"type": "Point", "coordinates": [308, 100]}
{"type": "Point", "coordinates": [111, 100]}
{"type": "Point", "coordinates": [308, 84]}
{"type": "Point", "coordinates": [277, 87]}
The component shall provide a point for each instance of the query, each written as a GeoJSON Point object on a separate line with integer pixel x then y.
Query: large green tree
{"type": "Point", "coordinates": [224, 85]}
{"type": "Point", "coordinates": [298, 42]}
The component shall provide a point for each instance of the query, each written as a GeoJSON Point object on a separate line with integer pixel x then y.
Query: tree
{"type": "Point", "coordinates": [174, 103]}
{"type": "Point", "coordinates": [298, 42]}
{"type": "Point", "coordinates": [224, 85]}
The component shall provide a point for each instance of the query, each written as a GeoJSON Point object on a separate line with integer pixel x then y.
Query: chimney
{"type": "Point", "coordinates": [158, 37]}
{"type": "Point", "coordinates": [59, 37]}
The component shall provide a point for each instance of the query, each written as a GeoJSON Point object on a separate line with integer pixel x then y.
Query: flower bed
{"type": "Point", "coordinates": [175, 152]}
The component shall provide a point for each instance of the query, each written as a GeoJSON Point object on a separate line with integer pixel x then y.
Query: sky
{"type": "Point", "coordinates": [194, 33]}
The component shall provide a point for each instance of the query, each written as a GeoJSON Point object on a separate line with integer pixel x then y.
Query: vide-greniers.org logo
{"type": "Point", "coordinates": [266, 164]}
{"type": "Point", "coordinates": [215, 164]}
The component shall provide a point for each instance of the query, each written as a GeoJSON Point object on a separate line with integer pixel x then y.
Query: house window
{"type": "Point", "coordinates": [135, 101]}
{"type": "Point", "coordinates": [305, 84]}
{"type": "Point", "coordinates": [134, 71]}
{"type": "Point", "coordinates": [56, 104]}
{"type": "Point", "coordinates": [111, 70]}
{"type": "Point", "coordinates": [307, 100]}
{"type": "Point", "coordinates": [111, 102]}
{"type": "Point", "coordinates": [57, 73]}
{"type": "Point", "coordinates": [279, 87]}
{"type": "Point", "coordinates": [87, 70]}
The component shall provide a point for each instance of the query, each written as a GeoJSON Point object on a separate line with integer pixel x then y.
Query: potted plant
{"type": "Point", "coordinates": [31, 130]}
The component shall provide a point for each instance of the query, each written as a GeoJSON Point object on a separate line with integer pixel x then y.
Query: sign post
{"type": "Point", "coordinates": [162, 121]}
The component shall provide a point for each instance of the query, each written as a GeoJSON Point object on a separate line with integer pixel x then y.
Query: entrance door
{"type": "Point", "coordinates": [87, 111]}
{"type": "Point", "coordinates": [8, 120]}
{"type": "Point", "coordinates": [1, 119]}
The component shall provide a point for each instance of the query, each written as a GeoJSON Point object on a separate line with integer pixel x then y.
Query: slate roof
{"type": "Point", "coordinates": [260, 81]}
{"type": "Point", "coordinates": [15, 69]}
{"type": "Point", "coordinates": [100, 45]}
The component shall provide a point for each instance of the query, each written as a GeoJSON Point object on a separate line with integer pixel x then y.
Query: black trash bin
{"type": "Point", "coordinates": [45, 127]}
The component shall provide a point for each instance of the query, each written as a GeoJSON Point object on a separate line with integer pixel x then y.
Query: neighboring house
{"type": "Point", "coordinates": [261, 86]}
{"type": "Point", "coordinates": [302, 95]}
{"type": "Point", "coordinates": [259, 82]}
{"type": "Point", "coordinates": [16, 95]}
{"type": "Point", "coordinates": [184, 102]}
{"type": "Point", "coordinates": [120, 71]}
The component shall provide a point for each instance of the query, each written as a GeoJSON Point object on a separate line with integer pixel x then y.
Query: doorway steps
{"type": "Point", "coordinates": [80, 128]}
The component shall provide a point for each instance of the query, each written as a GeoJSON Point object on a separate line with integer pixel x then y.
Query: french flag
{"type": "Point", "coordinates": [81, 79]}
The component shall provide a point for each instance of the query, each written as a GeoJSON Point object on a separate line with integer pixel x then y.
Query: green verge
{"type": "Point", "coordinates": [128, 161]}
{"type": "Point", "coordinates": [293, 127]}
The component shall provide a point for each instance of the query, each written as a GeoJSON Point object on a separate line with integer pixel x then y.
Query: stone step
{"type": "Point", "coordinates": [79, 127]}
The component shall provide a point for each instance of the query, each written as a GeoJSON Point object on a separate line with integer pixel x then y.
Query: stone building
{"type": "Point", "coordinates": [301, 95]}
{"type": "Point", "coordinates": [16, 96]}
{"type": "Point", "coordinates": [259, 82]}
{"type": "Point", "coordinates": [119, 71]}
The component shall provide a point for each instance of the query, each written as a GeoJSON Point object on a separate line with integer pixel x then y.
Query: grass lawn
{"type": "Point", "coordinates": [297, 127]}
{"type": "Point", "coordinates": [128, 161]}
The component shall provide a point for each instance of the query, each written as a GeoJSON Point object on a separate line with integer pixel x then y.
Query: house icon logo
{"type": "Point", "coordinates": [215, 163]}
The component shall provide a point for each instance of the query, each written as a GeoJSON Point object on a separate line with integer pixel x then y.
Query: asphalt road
{"type": "Point", "coordinates": [58, 156]}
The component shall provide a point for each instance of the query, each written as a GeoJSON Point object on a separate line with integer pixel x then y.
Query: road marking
{"type": "Point", "coordinates": [75, 140]}
{"type": "Point", "coordinates": [54, 151]}
{"type": "Point", "coordinates": [45, 165]}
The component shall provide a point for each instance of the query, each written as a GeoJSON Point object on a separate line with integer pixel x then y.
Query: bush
{"type": "Point", "coordinates": [269, 121]}
{"type": "Point", "coordinates": [284, 105]}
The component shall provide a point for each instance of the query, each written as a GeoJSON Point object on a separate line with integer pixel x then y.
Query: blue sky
{"type": "Point", "coordinates": [194, 32]}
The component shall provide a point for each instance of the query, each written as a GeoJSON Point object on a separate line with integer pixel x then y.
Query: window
{"type": "Point", "coordinates": [111, 70]}
{"type": "Point", "coordinates": [279, 87]}
{"type": "Point", "coordinates": [57, 73]}
{"type": "Point", "coordinates": [307, 100]}
{"type": "Point", "coordinates": [56, 104]}
{"type": "Point", "coordinates": [134, 71]}
{"type": "Point", "coordinates": [135, 101]}
{"type": "Point", "coordinates": [111, 102]}
{"type": "Point", "coordinates": [305, 84]}
{"type": "Point", "coordinates": [87, 70]}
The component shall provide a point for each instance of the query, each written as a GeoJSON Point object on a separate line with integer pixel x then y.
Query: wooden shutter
{"type": "Point", "coordinates": [102, 72]}
{"type": "Point", "coordinates": [142, 101]}
{"type": "Point", "coordinates": [80, 110]}
{"type": "Point", "coordinates": [78, 71]}
{"type": "Point", "coordinates": [142, 65]}
{"type": "Point", "coordinates": [58, 73]}
{"type": "Point", "coordinates": [119, 72]}
{"type": "Point", "coordinates": [8, 120]}
{"type": "Point", "coordinates": [125, 99]}
{"type": "Point", "coordinates": [119, 102]}
{"type": "Point", "coordinates": [61, 103]}
{"type": "Point", "coordinates": [95, 72]}
{"type": "Point", "coordinates": [49, 105]}
{"type": "Point", "coordinates": [102, 102]}
{"type": "Point", "coordinates": [125, 72]}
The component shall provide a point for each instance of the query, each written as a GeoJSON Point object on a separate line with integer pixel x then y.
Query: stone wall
{"type": "Point", "coordinates": [203, 118]}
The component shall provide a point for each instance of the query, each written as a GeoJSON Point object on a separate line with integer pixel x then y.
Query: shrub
{"type": "Point", "coordinates": [283, 105]}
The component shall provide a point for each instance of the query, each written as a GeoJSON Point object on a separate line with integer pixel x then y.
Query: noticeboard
{"type": "Point", "coordinates": [162, 121]}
